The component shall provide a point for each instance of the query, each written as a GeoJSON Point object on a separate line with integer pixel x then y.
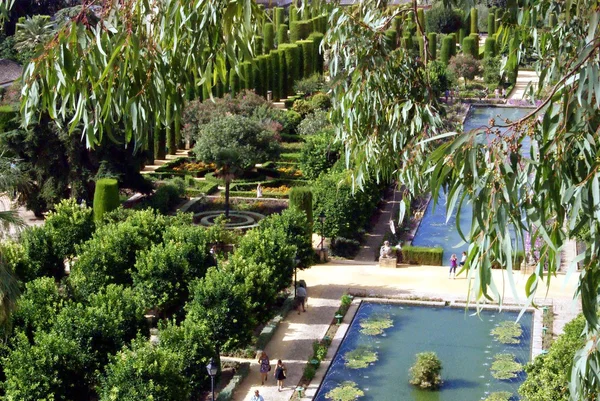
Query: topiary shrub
{"type": "Point", "coordinates": [234, 82]}
{"type": "Point", "coordinates": [498, 19]}
{"type": "Point", "coordinates": [375, 324]}
{"type": "Point", "coordinates": [421, 43]}
{"type": "Point", "coordinates": [468, 46]}
{"type": "Point", "coordinates": [505, 367]}
{"type": "Point", "coordinates": [448, 48]}
{"type": "Point", "coordinates": [474, 19]}
{"type": "Point", "coordinates": [552, 20]}
{"type": "Point", "coordinates": [475, 37]}
{"type": "Point", "coordinates": [301, 198]}
{"type": "Point", "coordinates": [282, 34]}
{"type": "Point", "coordinates": [426, 371]}
{"type": "Point", "coordinates": [491, 24]}
{"type": "Point", "coordinates": [421, 19]}
{"type": "Point", "coordinates": [347, 391]}
{"type": "Point", "coordinates": [307, 57]}
{"type": "Point", "coordinates": [299, 30]}
{"type": "Point", "coordinates": [293, 63]}
{"type": "Point", "coordinates": [279, 17]}
{"type": "Point", "coordinates": [276, 77]}
{"type": "Point", "coordinates": [432, 41]}
{"type": "Point", "coordinates": [391, 38]}
{"type": "Point", "coordinates": [106, 197]}
{"type": "Point", "coordinates": [508, 332]}
{"type": "Point", "coordinates": [248, 75]}
{"type": "Point", "coordinates": [293, 14]}
{"type": "Point", "coordinates": [317, 38]}
{"type": "Point", "coordinates": [490, 47]}
{"type": "Point", "coordinates": [269, 37]}
{"type": "Point", "coordinates": [258, 45]}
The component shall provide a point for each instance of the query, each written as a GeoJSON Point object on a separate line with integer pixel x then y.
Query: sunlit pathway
{"type": "Point", "coordinates": [524, 78]}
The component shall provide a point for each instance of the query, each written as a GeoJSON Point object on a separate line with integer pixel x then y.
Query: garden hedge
{"type": "Point", "coordinates": [106, 197]}
{"type": "Point", "coordinates": [293, 14]}
{"type": "Point", "coordinates": [491, 24]}
{"type": "Point", "coordinates": [432, 39]}
{"type": "Point", "coordinates": [269, 37]}
{"type": "Point", "coordinates": [307, 47]}
{"type": "Point", "coordinates": [248, 75]}
{"type": "Point", "coordinates": [276, 75]}
{"type": "Point", "coordinates": [468, 46]}
{"type": "Point", "coordinates": [299, 30]}
{"type": "Point", "coordinates": [282, 34]}
{"type": "Point", "coordinates": [407, 42]}
{"type": "Point", "coordinates": [284, 84]}
{"type": "Point", "coordinates": [423, 255]}
{"type": "Point", "coordinates": [475, 37]}
{"type": "Point", "coordinates": [258, 45]}
{"type": "Point", "coordinates": [474, 19]}
{"type": "Point", "coordinates": [448, 49]}
{"type": "Point", "coordinates": [498, 18]}
{"type": "Point", "coordinates": [234, 82]}
{"type": "Point", "coordinates": [301, 198]}
{"type": "Point", "coordinates": [421, 43]}
{"type": "Point", "coordinates": [490, 47]}
{"type": "Point", "coordinates": [391, 37]}
{"type": "Point", "coordinates": [279, 13]}
{"type": "Point", "coordinates": [462, 34]}
{"type": "Point", "coordinates": [421, 18]}
{"type": "Point", "coordinates": [317, 38]}
{"type": "Point", "coordinates": [293, 64]}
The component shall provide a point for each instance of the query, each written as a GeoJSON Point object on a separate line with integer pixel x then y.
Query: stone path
{"type": "Point", "coordinates": [370, 247]}
{"type": "Point", "coordinates": [27, 216]}
{"type": "Point", "coordinates": [524, 78]}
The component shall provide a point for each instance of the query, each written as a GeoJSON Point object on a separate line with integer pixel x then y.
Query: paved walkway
{"type": "Point", "coordinates": [326, 283]}
{"type": "Point", "coordinates": [374, 238]}
{"type": "Point", "coordinates": [524, 78]}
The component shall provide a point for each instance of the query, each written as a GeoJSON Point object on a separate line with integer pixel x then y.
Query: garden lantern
{"type": "Point", "coordinates": [322, 220]}
{"type": "Point", "coordinates": [212, 372]}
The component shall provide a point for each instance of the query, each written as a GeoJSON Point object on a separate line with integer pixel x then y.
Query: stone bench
{"type": "Point", "coordinates": [388, 262]}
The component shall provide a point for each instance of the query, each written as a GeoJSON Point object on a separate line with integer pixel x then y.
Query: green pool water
{"type": "Point", "coordinates": [461, 340]}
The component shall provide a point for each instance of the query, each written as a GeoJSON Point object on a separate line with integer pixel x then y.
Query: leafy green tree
{"type": "Point", "coordinates": [111, 319]}
{"type": "Point", "coordinates": [144, 372]}
{"type": "Point", "coordinates": [548, 375]}
{"type": "Point", "coordinates": [51, 368]}
{"type": "Point", "coordinates": [220, 304]}
{"type": "Point", "coordinates": [234, 143]}
{"type": "Point", "coordinates": [319, 154]}
{"type": "Point", "coordinates": [442, 19]}
{"type": "Point", "coordinates": [41, 259]}
{"type": "Point", "coordinates": [69, 225]}
{"type": "Point", "coordinates": [37, 307]}
{"type": "Point", "coordinates": [465, 66]}
{"type": "Point", "coordinates": [437, 73]}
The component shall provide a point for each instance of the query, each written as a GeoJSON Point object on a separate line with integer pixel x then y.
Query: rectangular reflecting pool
{"type": "Point", "coordinates": [462, 340]}
{"type": "Point", "coordinates": [434, 231]}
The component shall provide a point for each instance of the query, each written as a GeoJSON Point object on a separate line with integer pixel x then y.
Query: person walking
{"type": "Point", "coordinates": [301, 298]}
{"type": "Point", "coordinates": [257, 396]}
{"type": "Point", "coordinates": [265, 367]}
{"type": "Point", "coordinates": [259, 190]}
{"type": "Point", "coordinates": [453, 265]}
{"type": "Point", "coordinates": [280, 374]}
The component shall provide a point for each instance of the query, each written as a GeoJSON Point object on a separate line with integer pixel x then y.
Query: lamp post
{"type": "Point", "coordinates": [212, 372]}
{"type": "Point", "coordinates": [322, 220]}
{"type": "Point", "coordinates": [296, 264]}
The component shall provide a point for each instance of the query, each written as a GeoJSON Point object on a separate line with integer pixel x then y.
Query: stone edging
{"type": "Point", "coordinates": [269, 330]}
{"type": "Point", "coordinates": [227, 392]}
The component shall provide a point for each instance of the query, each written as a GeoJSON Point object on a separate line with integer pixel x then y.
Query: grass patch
{"type": "Point", "coordinates": [548, 322]}
{"type": "Point", "coordinates": [508, 332]}
{"type": "Point", "coordinates": [375, 325]}
{"type": "Point", "coordinates": [360, 358]}
{"type": "Point", "coordinates": [505, 367]}
{"type": "Point", "coordinates": [347, 391]}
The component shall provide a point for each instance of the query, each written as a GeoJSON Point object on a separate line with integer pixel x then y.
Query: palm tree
{"type": "Point", "coordinates": [31, 32]}
{"type": "Point", "coordinates": [11, 179]}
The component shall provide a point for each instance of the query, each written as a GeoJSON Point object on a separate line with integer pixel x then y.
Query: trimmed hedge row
{"type": "Point", "coordinates": [252, 194]}
{"type": "Point", "coordinates": [247, 186]}
{"type": "Point", "coordinates": [423, 256]}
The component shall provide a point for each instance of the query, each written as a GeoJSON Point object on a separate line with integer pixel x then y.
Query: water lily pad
{"type": "Point", "coordinates": [347, 391]}
{"type": "Point", "coordinates": [375, 324]}
{"type": "Point", "coordinates": [508, 332]}
{"type": "Point", "coordinates": [360, 358]}
{"type": "Point", "coordinates": [505, 367]}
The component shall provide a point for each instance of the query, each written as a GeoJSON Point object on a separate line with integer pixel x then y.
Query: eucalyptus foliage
{"type": "Point", "coordinates": [131, 68]}
{"type": "Point", "coordinates": [386, 121]}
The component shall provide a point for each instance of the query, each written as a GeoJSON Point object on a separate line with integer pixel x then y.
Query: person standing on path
{"type": "Point", "coordinates": [265, 367]}
{"type": "Point", "coordinates": [453, 265]}
{"type": "Point", "coordinates": [257, 397]}
{"type": "Point", "coordinates": [279, 374]}
{"type": "Point", "coordinates": [301, 298]}
{"type": "Point", "coordinates": [259, 191]}
{"type": "Point", "coordinates": [463, 259]}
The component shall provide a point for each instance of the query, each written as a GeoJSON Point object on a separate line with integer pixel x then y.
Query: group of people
{"type": "Point", "coordinates": [280, 372]}
{"type": "Point", "coordinates": [454, 263]}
